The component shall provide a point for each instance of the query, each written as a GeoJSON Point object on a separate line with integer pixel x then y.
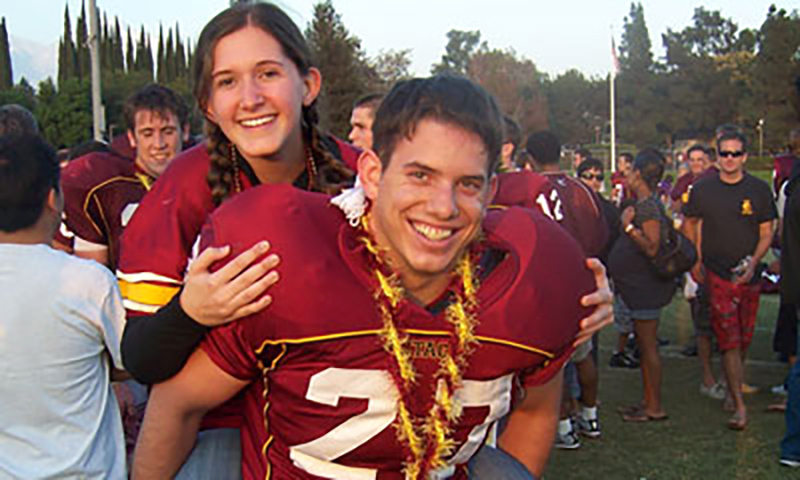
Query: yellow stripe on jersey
{"type": "Point", "coordinates": [411, 331]}
{"type": "Point", "coordinates": [515, 345]}
{"type": "Point", "coordinates": [147, 293]}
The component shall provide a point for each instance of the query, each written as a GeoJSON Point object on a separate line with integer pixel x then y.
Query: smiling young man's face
{"type": "Point", "coordinates": [428, 203]}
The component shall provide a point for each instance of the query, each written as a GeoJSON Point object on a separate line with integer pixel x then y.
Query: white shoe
{"type": "Point", "coordinates": [716, 391]}
{"type": "Point", "coordinates": [568, 441]}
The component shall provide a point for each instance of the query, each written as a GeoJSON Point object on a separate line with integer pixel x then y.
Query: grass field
{"type": "Point", "coordinates": [694, 442]}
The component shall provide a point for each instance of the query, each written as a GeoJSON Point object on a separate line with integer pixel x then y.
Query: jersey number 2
{"type": "Point", "coordinates": [328, 386]}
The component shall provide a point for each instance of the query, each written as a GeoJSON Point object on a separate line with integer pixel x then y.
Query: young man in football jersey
{"type": "Point", "coordinates": [102, 189]}
{"type": "Point", "coordinates": [425, 313]}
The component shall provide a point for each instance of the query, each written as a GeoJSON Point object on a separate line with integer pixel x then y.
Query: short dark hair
{"type": "Point", "coordinates": [28, 171]}
{"type": "Point", "coordinates": [17, 120]}
{"type": "Point", "coordinates": [544, 147]}
{"type": "Point", "coordinates": [155, 98]}
{"type": "Point", "coordinates": [583, 152]}
{"type": "Point", "coordinates": [627, 156]}
{"type": "Point", "coordinates": [696, 148]}
{"type": "Point", "coordinates": [371, 101]}
{"type": "Point", "coordinates": [650, 164]}
{"type": "Point", "coordinates": [444, 98]}
{"type": "Point", "coordinates": [589, 164]}
{"type": "Point", "coordinates": [732, 135]}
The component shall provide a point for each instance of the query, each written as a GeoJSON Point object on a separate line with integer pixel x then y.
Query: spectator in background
{"type": "Point", "coordinates": [511, 140]}
{"type": "Point", "coordinates": [729, 218]}
{"type": "Point", "coordinates": [361, 120]}
{"type": "Point", "coordinates": [785, 338]}
{"type": "Point", "coordinates": [579, 157]}
{"type": "Point", "coordinates": [699, 162]}
{"type": "Point", "coordinates": [16, 119]}
{"type": "Point", "coordinates": [61, 319]}
{"type": "Point", "coordinates": [790, 295]}
{"type": "Point", "coordinates": [620, 194]}
{"type": "Point", "coordinates": [640, 289]}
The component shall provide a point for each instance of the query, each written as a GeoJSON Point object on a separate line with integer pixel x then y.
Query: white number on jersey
{"type": "Point", "coordinates": [328, 386]}
{"type": "Point", "coordinates": [550, 205]}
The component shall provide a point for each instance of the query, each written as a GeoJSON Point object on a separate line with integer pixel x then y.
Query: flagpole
{"type": "Point", "coordinates": [612, 108]}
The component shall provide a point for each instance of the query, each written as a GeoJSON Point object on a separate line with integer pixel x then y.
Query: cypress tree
{"type": "Point", "coordinates": [130, 56]}
{"type": "Point", "coordinates": [180, 55]}
{"type": "Point", "coordinates": [117, 58]}
{"type": "Point", "coordinates": [161, 71]}
{"type": "Point", "coordinates": [148, 58]}
{"type": "Point", "coordinates": [141, 52]}
{"type": "Point", "coordinates": [82, 47]}
{"type": "Point", "coordinates": [67, 60]}
{"type": "Point", "coordinates": [105, 46]}
{"type": "Point", "coordinates": [6, 75]}
{"type": "Point", "coordinates": [169, 57]}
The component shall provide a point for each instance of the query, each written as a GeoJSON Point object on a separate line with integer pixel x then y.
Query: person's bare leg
{"type": "Point", "coordinates": [704, 354]}
{"type": "Point", "coordinates": [734, 373]}
{"type": "Point", "coordinates": [650, 363]}
{"type": "Point", "coordinates": [622, 340]}
{"type": "Point", "coordinates": [587, 377]}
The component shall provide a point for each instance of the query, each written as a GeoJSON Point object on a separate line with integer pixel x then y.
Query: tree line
{"type": "Point", "coordinates": [713, 72]}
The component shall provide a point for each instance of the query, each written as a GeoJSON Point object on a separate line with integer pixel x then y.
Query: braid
{"type": "Point", "coordinates": [332, 174]}
{"type": "Point", "coordinates": [220, 172]}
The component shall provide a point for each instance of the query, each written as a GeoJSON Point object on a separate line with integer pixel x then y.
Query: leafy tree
{"type": "Point", "coordinates": [169, 58]}
{"type": "Point", "coordinates": [65, 115]}
{"type": "Point", "coordinates": [514, 82]}
{"type": "Point", "coordinates": [578, 107]}
{"type": "Point", "coordinates": [343, 65]}
{"type": "Point", "coordinates": [775, 69]}
{"type": "Point", "coordinates": [390, 67]}
{"type": "Point", "coordinates": [460, 47]}
{"type": "Point", "coordinates": [6, 74]}
{"type": "Point", "coordinates": [21, 94]}
{"type": "Point", "coordinates": [640, 97]}
{"type": "Point", "coordinates": [702, 91]}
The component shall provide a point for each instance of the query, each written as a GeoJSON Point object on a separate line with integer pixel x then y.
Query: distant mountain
{"type": "Point", "coordinates": [33, 60]}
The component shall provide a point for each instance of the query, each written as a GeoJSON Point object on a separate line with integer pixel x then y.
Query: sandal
{"type": "Point", "coordinates": [779, 406]}
{"type": "Point", "coordinates": [737, 422]}
{"type": "Point", "coordinates": [642, 416]}
{"type": "Point", "coordinates": [630, 409]}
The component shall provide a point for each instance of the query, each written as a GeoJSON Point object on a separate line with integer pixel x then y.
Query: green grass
{"type": "Point", "coordinates": [694, 443]}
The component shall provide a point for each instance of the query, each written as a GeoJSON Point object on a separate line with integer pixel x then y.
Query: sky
{"type": "Point", "coordinates": [556, 35]}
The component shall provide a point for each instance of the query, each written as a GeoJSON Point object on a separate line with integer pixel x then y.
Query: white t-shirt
{"type": "Point", "coordinates": [61, 318]}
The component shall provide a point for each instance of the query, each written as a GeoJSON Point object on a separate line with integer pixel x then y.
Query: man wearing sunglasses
{"type": "Point", "coordinates": [733, 214]}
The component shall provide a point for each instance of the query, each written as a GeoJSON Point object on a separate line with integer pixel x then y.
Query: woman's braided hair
{"type": "Point", "coordinates": [332, 175]}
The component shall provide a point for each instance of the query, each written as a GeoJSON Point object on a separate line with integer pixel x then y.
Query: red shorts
{"type": "Point", "coordinates": [733, 310]}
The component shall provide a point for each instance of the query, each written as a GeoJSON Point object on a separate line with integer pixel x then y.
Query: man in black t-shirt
{"type": "Point", "coordinates": [730, 218]}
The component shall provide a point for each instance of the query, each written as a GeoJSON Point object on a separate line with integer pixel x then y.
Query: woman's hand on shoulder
{"type": "Point", "coordinates": [234, 291]}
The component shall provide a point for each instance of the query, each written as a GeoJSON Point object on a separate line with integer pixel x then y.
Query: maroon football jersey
{"type": "Point", "coordinates": [563, 199]}
{"type": "Point", "coordinates": [321, 402]}
{"type": "Point", "coordinates": [101, 193]}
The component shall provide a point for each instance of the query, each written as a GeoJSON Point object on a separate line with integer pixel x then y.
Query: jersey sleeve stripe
{"type": "Point", "coordinates": [146, 277]}
{"type": "Point", "coordinates": [515, 345]}
{"type": "Point", "coordinates": [83, 245]}
{"type": "Point", "coordinates": [147, 293]}
{"type": "Point", "coordinates": [139, 307]}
